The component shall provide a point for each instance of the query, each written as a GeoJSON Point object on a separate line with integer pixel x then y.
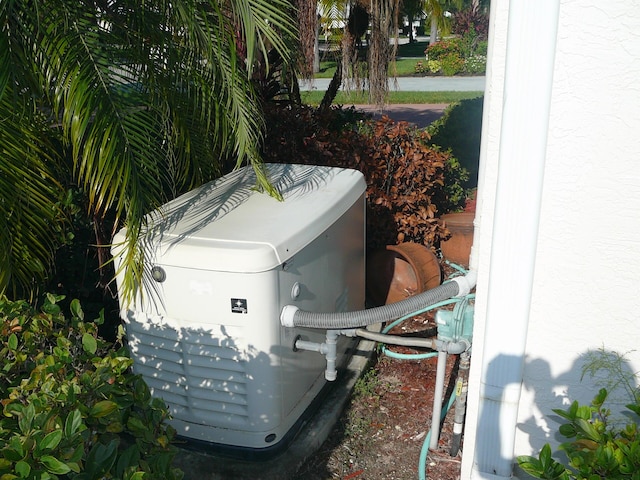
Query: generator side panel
{"type": "Point", "coordinates": [328, 275]}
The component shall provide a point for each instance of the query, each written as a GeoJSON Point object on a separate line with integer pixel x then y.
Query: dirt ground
{"type": "Point", "coordinates": [382, 431]}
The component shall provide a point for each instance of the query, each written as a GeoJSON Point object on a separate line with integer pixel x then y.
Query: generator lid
{"type": "Point", "coordinates": [227, 225]}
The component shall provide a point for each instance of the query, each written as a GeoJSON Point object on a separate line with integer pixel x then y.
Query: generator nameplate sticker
{"type": "Point", "coordinates": [238, 305]}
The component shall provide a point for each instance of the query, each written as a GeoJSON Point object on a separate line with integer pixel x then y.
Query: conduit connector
{"type": "Point", "coordinates": [466, 283]}
{"type": "Point", "coordinates": [328, 349]}
{"type": "Point", "coordinates": [287, 315]}
{"type": "Point", "coordinates": [453, 348]}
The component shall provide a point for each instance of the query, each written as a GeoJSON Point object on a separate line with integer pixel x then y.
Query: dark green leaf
{"type": "Point", "coordinates": [101, 458]}
{"type": "Point", "coordinates": [13, 341]}
{"type": "Point", "coordinates": [89, 343]}
{"type": "Point", "coordinates": [600, 398]}
{"type": "Point", "coordinates": [53, 465]}
{"type": "Point", "coordinates": [103, 408]}
{"type": "Point", "coordinates": [72, 423]}
{"type": "Point", "coordinates": [76, 309]}
{"type": "Point", "coordinates": [23, 469]}
{"type": "Point", "coordinates": [26, 419]}
{"type": "Point", "coordinates": [51, 440]}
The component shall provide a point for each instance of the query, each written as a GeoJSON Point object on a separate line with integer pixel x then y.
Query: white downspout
{"type": "Point", "coordinates": [531, 45]}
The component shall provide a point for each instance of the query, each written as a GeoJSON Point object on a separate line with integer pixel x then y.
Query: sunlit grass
{"type": "Point", "coordinates": [361, 98]}
{"type": "Point", "coordinates": [403, 67]}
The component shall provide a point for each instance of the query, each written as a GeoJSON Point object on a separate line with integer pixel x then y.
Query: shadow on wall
{"type": "Point", "coordinates": [591, 371]}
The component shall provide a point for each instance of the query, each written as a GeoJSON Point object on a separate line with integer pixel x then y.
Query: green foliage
{"type": "Point", "coordinates": [434, 66]}
{"type": "Point", "coordinates": [475, 64]}
{"type": "Point", "coordinates": [438, 50]}
{"type": "Point", "coordinates": [607, 369]}
{"type": "Point", "coordinates": [366, 385]}
{"type": "Point", "coordinates": [451, 64]}
{"type": "Point", "coordinates": [420, 67]}
{"type": "Point", "coordinates": [144, 98]}
{"type": "Point", "coordinates": [459, 131]}
{"type": "Point", "coordinates": [595, 450]}
{"type": "Point", "coordinates": [71, 407]}
{"type": "Point", "coordinates": [466, 53]}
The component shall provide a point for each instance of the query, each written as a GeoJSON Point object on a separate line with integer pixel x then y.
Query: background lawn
{"type": "Point", "coordinates": [407, 56]}
{"type": "Point", "coordinates": [361, 98]}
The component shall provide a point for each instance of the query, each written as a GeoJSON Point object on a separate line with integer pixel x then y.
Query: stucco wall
{"type": "Point", "coordinates": [587, 275]}
{"type": "Point", "coordinates": [587, 270]}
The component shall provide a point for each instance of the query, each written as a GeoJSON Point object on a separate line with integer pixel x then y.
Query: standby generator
{"type": "Point", "coordinates": [220, 264]}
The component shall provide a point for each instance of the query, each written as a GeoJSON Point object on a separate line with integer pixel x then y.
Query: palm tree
{"type": "Point", "coordinates": [413, 10]}
{"type": "Point", "coordinates": [436, 10]}
{"type": "Point", "coordinates": [139, 101]}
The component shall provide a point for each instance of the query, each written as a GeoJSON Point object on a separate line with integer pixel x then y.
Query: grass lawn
{"type": "Point", "coordinates": [362, 98]}
{"type": "Point", "coordinates": [406, 58]}
{"type": "Point", "coordinates": [404, 67]}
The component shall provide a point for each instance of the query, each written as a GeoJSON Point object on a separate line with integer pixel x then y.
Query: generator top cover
{"type": "Point", "coordinates": [227, 225]}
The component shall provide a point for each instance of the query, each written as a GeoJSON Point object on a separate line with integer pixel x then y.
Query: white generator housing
{"type": "Point", "coordinates": [222, 262]}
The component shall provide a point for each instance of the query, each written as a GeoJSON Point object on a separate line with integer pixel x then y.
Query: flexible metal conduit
{"type": "Point", "coordinates": [434, 344]}
{"type": "Point", "coordinates": [292, 316]}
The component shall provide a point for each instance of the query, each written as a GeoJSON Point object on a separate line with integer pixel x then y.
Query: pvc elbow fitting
{"type": "Point", "coordinates": [287, 315]}
{"type": "Point", "coordinates": [466, 283]}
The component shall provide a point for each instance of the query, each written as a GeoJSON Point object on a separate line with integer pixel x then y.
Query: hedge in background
{"type": "Point", "coordinates": [71, 408]}
{"type": "Point", "coordinates": [459, 131]}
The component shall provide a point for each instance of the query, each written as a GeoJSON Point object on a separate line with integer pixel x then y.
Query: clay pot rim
{"type": "Point", "coordinates": [409, 252]}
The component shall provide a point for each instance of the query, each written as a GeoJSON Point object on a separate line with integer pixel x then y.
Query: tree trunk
{"type": "Point", "coordinates": [316, 50]}
{"type": "Point", "coordinates": [332, 90]}
{"type": "Point", "coordinates": [433, 35]}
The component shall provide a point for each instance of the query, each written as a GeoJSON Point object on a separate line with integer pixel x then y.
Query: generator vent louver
{"type": "Point", "coordinates": [203, 376]}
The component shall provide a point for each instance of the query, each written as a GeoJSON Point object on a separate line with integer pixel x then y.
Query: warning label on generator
{"type": "Point", "coordinates": [238, 305]}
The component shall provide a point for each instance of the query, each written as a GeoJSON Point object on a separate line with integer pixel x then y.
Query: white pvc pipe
{"type": "Point", "coordinates": [531, 44]}
{"type": "Point", "coordinates": [328, 349]}
{"type": "Point", "coordinates": [437, 400]}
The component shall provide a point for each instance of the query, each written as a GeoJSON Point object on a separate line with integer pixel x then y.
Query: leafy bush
{"type": "Point", "coordinates": [475, 65]}
{"type": "Point", "coordinates": [595, 451]}
{"type": "Point", "coordinates": [434, 66]}
{"type": "Point", "coordinates": [405, 176]}
{"type": "Point", "coordinates": [438, 50]}
{"type": "Point", "coordinates": [451, 64]}
{"type": "Point", "coordinates": [71, 408]}
{"type": "Point", "coordinates": [471, 20]}
{"type": "Point", "coordinates": [420, 67]}
{"type": "Point", "coordinates": [455, 55]}
{"type": "Point", "coordinates": [459, 131]}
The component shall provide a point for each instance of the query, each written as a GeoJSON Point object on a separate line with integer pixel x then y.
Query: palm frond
{"type": "Point", "coordinates": [150, 98]}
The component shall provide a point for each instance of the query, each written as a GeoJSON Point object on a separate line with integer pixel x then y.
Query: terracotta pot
{"type": "Point", "coordinates": [401, 271]}
{"type": "Point", "coordinates": [458, 248]}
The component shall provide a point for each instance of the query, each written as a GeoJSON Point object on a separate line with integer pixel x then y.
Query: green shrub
{"type": "Point", "coordinates": [466, 53]}
{"type": "Point", "coordinates": [595, 450]}
{"type": "Point", "coordinates": [434, 66]}
{"type": "Point", "coordinates": [438, 50]}
{"type": "Point", "coordinates": [71, 407]}
{"type": "Point", "coordinates": [475, 65]}
{"type": "Point", "coordinates": [420, 67]}
{"type": "Point", "coordinates": [451, 64]}
{"type": "Point", "coordinates": [459, 131]}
